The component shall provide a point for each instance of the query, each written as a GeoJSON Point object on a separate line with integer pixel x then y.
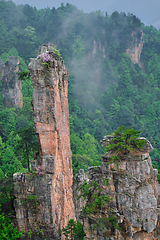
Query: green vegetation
{"type": "Point", "coordinates": [27, 145]}
{"type": "Point", "coordinates": [106, 90]}
{"type": "Point", "coordinates": [31, 202]}
{"type": "Point", "coordinates": [73, 230]}
{"type": "Point", "coordinates": [37, 235]}
{"type": "Point", "coordinates": [7, 232]}
{"type": "Point", "coordinates": [55, 51]}
{"type": "Point", "coordinates": [24, 75]}
{"type": "Point", "coordinates": [125, 141]}
{"type": "Point", "coordinates": [33, 199]}
{"type": "Point", "coordinates": [96, 201]}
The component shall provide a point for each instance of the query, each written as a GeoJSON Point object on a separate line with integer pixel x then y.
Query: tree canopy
{"type": "Point", "coordinates": [106, 89]}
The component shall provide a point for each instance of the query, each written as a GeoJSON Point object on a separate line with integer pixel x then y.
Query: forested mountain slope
{"type": "Point", "coordinates": [106, 89]}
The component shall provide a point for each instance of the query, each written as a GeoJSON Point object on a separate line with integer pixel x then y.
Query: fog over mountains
{"type": "Point", "coordinates": [146, 10]}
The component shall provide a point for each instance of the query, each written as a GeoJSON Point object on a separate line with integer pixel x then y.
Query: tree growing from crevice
{"type": "Point", "coordinates": [73, 230]}
{"type": "Point", "coordinates": [124, 141]}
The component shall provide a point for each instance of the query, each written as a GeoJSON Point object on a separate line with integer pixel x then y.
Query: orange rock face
{"type": "Point", "coordinates": [51, 118]}
{"type": "Point", "coordinates": [134, 51]}
{"type": "Point", "coordinates": [11, 86]}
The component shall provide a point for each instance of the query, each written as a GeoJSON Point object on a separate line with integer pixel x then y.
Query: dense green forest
{"type": "Point", "coordinates": [106, 90]}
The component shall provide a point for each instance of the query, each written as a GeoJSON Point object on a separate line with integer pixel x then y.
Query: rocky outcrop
{"type": "Point", "coordinates": [97, 46]}
{"type": "Point", "coordinates": [11, 86]}
{"type": "Point", "coordinates": [79, 203]}
{"type": "Point", "coordinates": [133, 188]}
{"type": "Point", "coordinates": [136, 46]}
{"type": "Point", "coordinates": [146, 148]}
{"type": "Point", "coordinates": [53, 187]}
{"type": "Point", "coordinates": [33, 204]}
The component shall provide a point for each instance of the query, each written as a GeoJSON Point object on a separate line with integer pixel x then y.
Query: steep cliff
{"type": "Point", "coordinates": [44, 199]}
{"type": "Point", "coordinates": [98, 46]}
{"type": "Point", "coordinates": [136, 46]}
{"type": "Point", "coordinates": [133, 188]}
{"type": "Point", "coordinates": [53, 187]}
{"type": "Point", "coordinates": [11, 86]}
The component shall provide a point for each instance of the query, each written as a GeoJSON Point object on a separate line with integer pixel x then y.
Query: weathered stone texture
{"type": "Point", "coordinates": [135, 49]}
{"type": "Point", "coordinates": [78, 203]}
{"type": "Point", "coordinates": [51, 119]}
{"type": "Point", "coordinates": [30, 215]}
{"type": "Point", "coordinates": [11, 86]}
{"type": "Point", "coordinates": [134, 188]}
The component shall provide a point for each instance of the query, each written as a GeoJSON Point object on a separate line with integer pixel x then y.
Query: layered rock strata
{"type": "Point", "coordinates": [11, 86]}
{"type": "Point", "coordinates": [133, 188]}
{"type": "Point", "coordinates": [51, 118]}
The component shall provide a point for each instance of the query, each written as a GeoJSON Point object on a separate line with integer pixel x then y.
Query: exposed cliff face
{"type": "Point", "coordinates": [33, 204]}
{"type": "Point", "coordinates": [11, 86]}
{"type": "Point", "coordinates": [134, 188]}
{"type": "Point", "coordinates": [51, 118]}
{"type": "Point", "coordinates": [78, 203]}
{"type": "Point", "coordinates": [135, 48]}
{"type": "Point", "coordinates": [98, 46]}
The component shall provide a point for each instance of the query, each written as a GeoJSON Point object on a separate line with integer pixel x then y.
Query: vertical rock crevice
{"type": "Point", "coordinates": [11, 86]}
{"type": "Point", "coordinates": [134, 190]}
{"type": "Point", "coordinates": [51, 118]}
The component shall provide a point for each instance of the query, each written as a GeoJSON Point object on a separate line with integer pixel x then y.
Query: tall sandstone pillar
{"type": "Point", "coordinates": [11, 86]}
{"type": "Point", "coordinates": [51, 119]}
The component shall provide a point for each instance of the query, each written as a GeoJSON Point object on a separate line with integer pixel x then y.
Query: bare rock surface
{"type": "Point", "coordinates": [51, 118]}
{"type": "Point", "coordinates": [78, 203]}
{"type": "Point", "coordinates": [11, 86]}
{"type": "Point", "coordinates": [134, 51]}
{"type": "Point", "coordinates": [134, 190]}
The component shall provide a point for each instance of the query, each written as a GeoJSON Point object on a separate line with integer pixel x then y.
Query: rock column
{"type": "Point", "coordinates": [11, 86]}
{"type": "Point", "coordinates": [134, 191]}
{"type": "Point", "coordinates": [51, 119]}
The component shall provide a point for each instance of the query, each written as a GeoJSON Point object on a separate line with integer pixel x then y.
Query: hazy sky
{"type": "Point", "coordinates": [147, 10]}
